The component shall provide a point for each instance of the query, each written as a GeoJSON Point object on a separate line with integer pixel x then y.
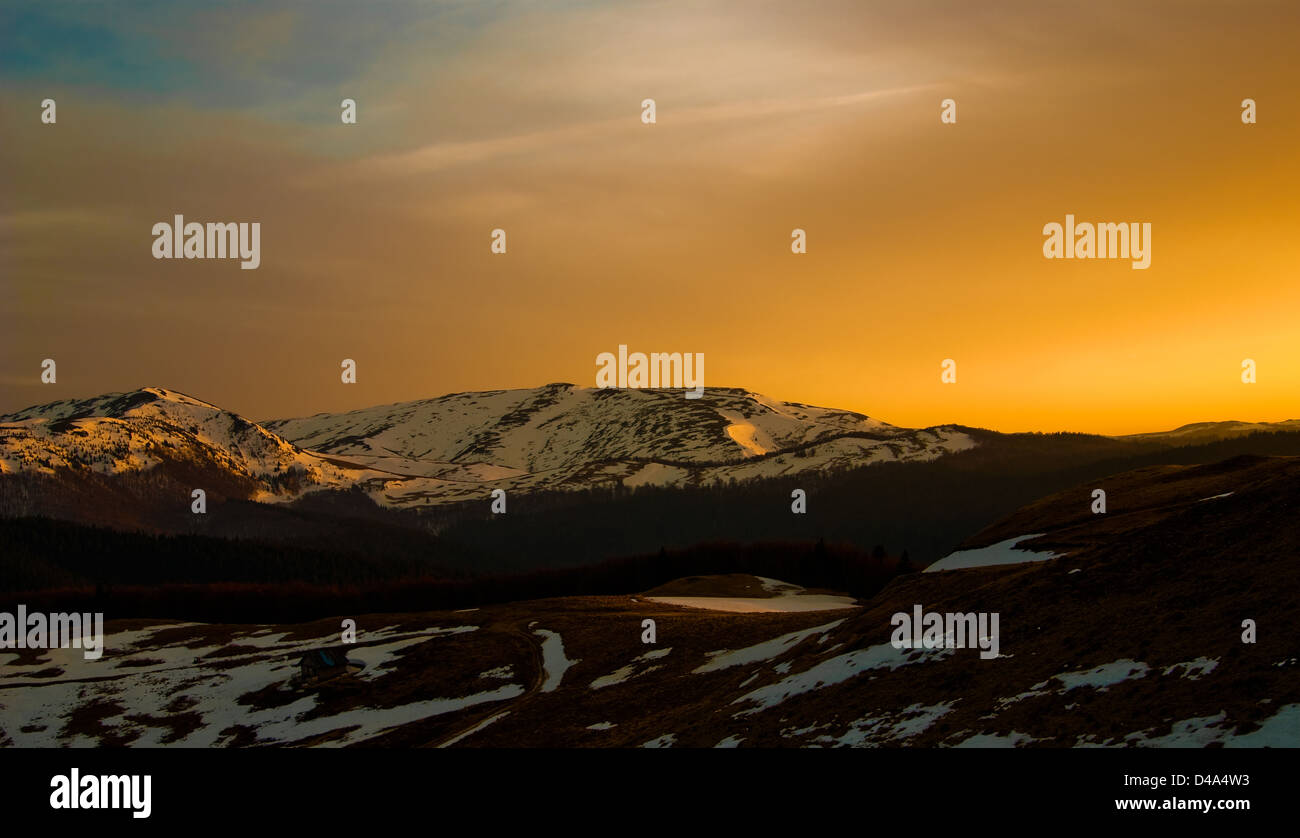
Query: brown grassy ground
{"type": "Point", "coordinates": [1164, 578]}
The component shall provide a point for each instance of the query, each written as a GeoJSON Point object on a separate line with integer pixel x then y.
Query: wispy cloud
{"type": "Point", "coordinates": [448, 154]}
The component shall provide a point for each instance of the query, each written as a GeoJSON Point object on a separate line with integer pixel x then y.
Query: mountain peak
{"type": "Point", "coordinates": [108, 405]}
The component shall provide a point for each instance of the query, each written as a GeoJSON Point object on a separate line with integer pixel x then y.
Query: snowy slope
{"type": "Point", "coordinates": [460, 446]}
{"type": "Point", "coordinates": [121, 433]}
{"type": "Point", "coordinates": [562, 425]}
{"type": "Point", "coordinates": [561, 436]}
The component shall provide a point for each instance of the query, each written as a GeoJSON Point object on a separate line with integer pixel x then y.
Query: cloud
{"type": "Point", "coordinates": [447, 154]}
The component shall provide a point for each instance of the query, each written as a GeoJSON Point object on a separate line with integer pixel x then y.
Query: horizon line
{"type": "Point", "coordinates": [746, 390]}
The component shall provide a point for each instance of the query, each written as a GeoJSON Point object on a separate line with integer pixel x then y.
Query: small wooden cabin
{"type": "Point", "coordinates": [324, 664]}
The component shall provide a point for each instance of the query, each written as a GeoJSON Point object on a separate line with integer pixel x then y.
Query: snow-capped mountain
{"type": "Point", "coordinates": [566, 437]}
{"type": "Point", "coordinates": [460, 446]}
{"type": "Point", "coordinates": [132, 433]}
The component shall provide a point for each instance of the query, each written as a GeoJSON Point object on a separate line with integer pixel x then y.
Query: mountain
{"type": "Point", "coordinates": [1166, 621]}
{"type": "Point", "coordinates": [561, 437]}
{"type": "Point", "coordinates": [1202, 432]}
{"type": "Point", "coordinates": [134, 432]}
{"type": "Point", "coordinates": [456, 447]}
{"type": "Point", "coordinates": [590, 474]}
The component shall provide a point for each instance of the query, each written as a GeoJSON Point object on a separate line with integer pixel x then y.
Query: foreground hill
{"type": "Point", "coordinates": [1131, 636]}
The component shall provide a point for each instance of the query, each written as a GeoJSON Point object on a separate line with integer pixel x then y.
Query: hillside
{"type": "Point", "coordinates": [1132, 637]}
{"type": "Point", "coordinates": [562, 437]}
{"type": "Point", "coordinates": [449, 449]}
{"type": "Point", "coordinates": [591, 475]}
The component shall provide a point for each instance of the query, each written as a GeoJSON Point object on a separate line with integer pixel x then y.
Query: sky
{"type": "Point", "coordinates": [924, 239]}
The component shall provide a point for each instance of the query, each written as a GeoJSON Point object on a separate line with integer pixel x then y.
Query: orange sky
{"type": "Point", "coordinates": [924, 239]}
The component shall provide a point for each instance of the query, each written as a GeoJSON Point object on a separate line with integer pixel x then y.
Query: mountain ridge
{"type": "Point", "coordinates": [450, 448]}
{"type": "Point", "coordinates": [456, 447]}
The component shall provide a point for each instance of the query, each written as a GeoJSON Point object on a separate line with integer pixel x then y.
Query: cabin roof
{"type": "Point", "coordinates": [325, 657]}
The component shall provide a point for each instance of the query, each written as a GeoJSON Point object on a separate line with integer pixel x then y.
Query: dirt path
{"type": "Point", "coordinates": [536, 678]}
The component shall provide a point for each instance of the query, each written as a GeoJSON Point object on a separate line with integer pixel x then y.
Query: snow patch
{"type": "Point", "coordinates": [1194, 669]}
{"type": "Point", "coordinates": [995, 740]}
{"type": "Point", "coordinates": [475, 729]}
{"type": "Point", "coordinates": [753, 605]}
{"type": "Point", "coordinates": [765, 651]}
{"type": "Point", "coordinates": [553, 659]}
{"type": "Point", "coordinates": [837, 670]}
{"type": "Point", "coordinates": [1102, 677]}
{"type": "Point", "coordinates": [886, 728]}
{"type": "Point", "coordinates": [1280, 731]}
{"type": "Point", "coordinates": [1004, 552]}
